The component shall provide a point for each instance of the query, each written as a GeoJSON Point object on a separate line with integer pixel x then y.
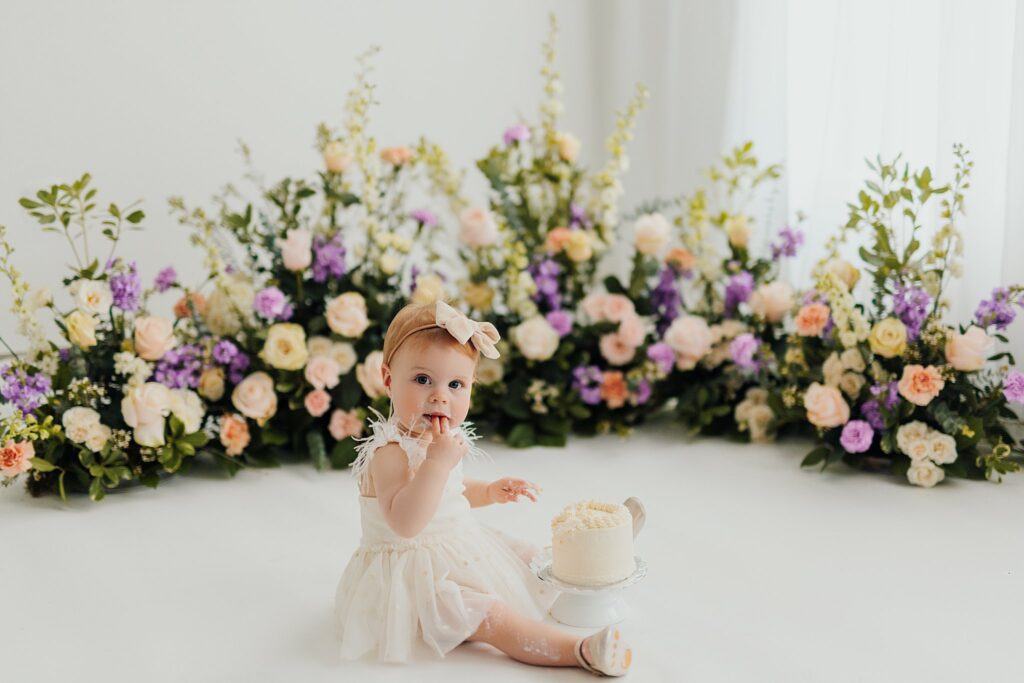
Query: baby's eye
{"type": "Point", "coordinates": [455, 384]}
{"type": "Point", "coordinates": [422, 379]}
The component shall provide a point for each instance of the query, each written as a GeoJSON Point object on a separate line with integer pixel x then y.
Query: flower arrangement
{"type": "Point", "coordinates": [888, 385]}
{"type": "Point", "coordinates": [94, 413]}
{"type": "Point", "coordinates": [325, 266]}
{"type": "Point", "coordinates": [532, 258]}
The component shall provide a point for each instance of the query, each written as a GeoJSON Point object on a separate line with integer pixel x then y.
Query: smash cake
{"type": "Point", "coordinates": [592, 544]}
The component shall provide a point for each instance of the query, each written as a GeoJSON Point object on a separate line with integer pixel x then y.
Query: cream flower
{"type": "Point", "coordinates": [323, 372]}
{"type": "Point", "coordinates": [490, 371]}
{"type": "Point", "coordinates": [188, 407]}
{"type": "Point", "coordinates": [737, 229]}
{"type": "Point", "coordinates": [690, 337]}
{"type": "Point", "coordinates": [578, 247]}
{"type": "Point", "coordinates": [968, 352]}
{"type": "Point", "coordinates": [943, 448]}
{"type": "Point", "coordinates": [296, 249]}
{"type": "Point", "coordinates": [477, 227]}
{"type": "Point", "coordinates": [255, 397]}
{"type": "Point", "coordinates": [772, 301]}
{"type": "Point", "coordinates": [844, 270]}
{"type": "Point", "coordinates": [888, 338]}
{"type": "Point", "coordinates": [285, 348]}
{"type": "Point", "coordinates": [429, 288]}
{"type": "Point", "coordinates": [535, 338]}
{"type": "Point", "coordinates": [144, 409]}
{"type": "Point", "coordinates": [92, 297]}
{"type": "Point", "coordinates": [154, 336]}
{"type": "Point", "coordinates": [211, 384]}
{"type": "Point", "coordinates": [852, 359]}
{"type": "Point", "coordinates": [336, 157]}
{"type": "Point", "coordinates": [344, 354]}
{"type": "Point", "coordinates": [568, 147]}
{"type": "Point", "coordinates": [81, 328]}
{"type": "Point", "coordinates": [825, 406]}
{"type": "Point", "coordinates": [651, 234]}
{"type": "Point", "coordinates": [925, 473]}
{"type": "Point", "coordinates": [909, 433]}
{"type": "Point", "coordinates": [78, 423]}
{"type": "Point", "coordinates": [370, 376]}
{"type": "Point", "coordinates": [346, 315]}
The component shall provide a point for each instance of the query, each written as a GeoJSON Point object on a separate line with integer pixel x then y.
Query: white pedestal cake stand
{"type": "Point", "coordinates": [587, 606]}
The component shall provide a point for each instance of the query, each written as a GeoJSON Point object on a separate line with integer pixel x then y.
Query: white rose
{"type": "Point", "coordinates": [336, 156]}
{"type": "Point", "coordinates": [772, 301]}
{"type": "Point", "coordinates": [429, 288]}
{"type": "Point", "coordinates": [910, 432]}
{"type": "Point", "coordinates": [230, 306]}
{"type": "Point", "coordinates": [144, 409]}
{"type": "Point", "coordinates": [188, 407]}
{"type": "Point", "coordinates": [690, 337]}
{"type": "Point", "coordinates": [490, 371]}
{"type": "Point", "coordinates": [91, 296]}
{"type": "Point", "coordinates": [925, 473]}
{"type": "Point", "coordinates": [844, 270]}
{"type": "Point", "coordinates": [853, 360]}
{"type": "Point", "coordinates": [296, 249]}
{"type": "Point", "coordinates": [344, 354]}
{"type": "Point", "coordinates": [968, 352]}
{"type": "Point", "coordinates": [389, 264]}
{"type": "Point", "coordinates": [832, 370]}
{"type": "Point", "coordinates": [851, 383]}
{"type": "Point", "coordinates": [477, 227]}
{"type": "Point", "coordinates": [919, 450]}
{"type": "Point", "coordinates": [318, 346]}
{"type": "Point", "coordinates": [943, 448]}
{"type": "Point", "coordinates": [322, 372]}
{"type": "Point", "coordinates": [651, 234]}
{"type": "Point", "coordinates": [78, 423]}
{"type": "Point", "coordinates": [535, 338]}
{"type": "Point", "coordinates": [346, 315]}
{"type": "Point", "coordinates": [98, 437]}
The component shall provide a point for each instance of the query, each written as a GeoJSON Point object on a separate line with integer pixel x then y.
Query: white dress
{"type": "Point", "coordinates": [436, 588]}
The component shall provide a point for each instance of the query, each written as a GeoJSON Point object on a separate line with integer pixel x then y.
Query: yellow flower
{"type": "Point", "coordinates": [429, 289]}
{"type": "Point", "coordinates": [568, 146]}
{"type": "Point", "coordinates": [578, 246]}
{"type": "Point", "coordinates": [388, 264]}
{"type": "Point", "coordinates": [285, 348]}
{"type": "Point", "coordinates": [81, 329]}
{"type": "Point", "coordinates": [888, 338]}
{"type": "Point", "coordinates": [478, 295]}
{"type": "Point", "coordinates": [737, 228]}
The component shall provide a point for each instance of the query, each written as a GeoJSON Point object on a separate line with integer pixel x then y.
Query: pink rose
{"type": "Point", "coordinates": [15, 457]}
{"type": "Point", "coordinates": [632, 330]}
{"type": "Point", "coordinates": [772, 301]}
{"type": "Point", "coordinates": [296, 249]}
{"type": "Point", "coordinates": [255, 397]}
{"type": "Point", "coordinates": [234, 434]}
{"type": "Point", "coordinates": [557, 238]}
{"type": "Point", "coordinates": [154, 336]}
{"type": "Point", "coordinates": [477, 227]}
{"type": "Point", "coordinates": [690, 337]}
{"type": "Point", "coordinates": [317, 402]}
{"type": "Point", "coordinates": [346, 315]}
{"type": "Point", "coordinates": [613, 307]}
{"type": "Point", "coordinates": [370, 375]}
{"type": "Point", "coordinates": [920, 385]}
{"type": "Point", "coordinates": [811, 320]}
{"type": "Point", "coordinates": [968, 352]}
{"type": "Point", "coordinates": [345, 423]}
{"type": "Point", "coordinates": [825, 406]}
{"type": "Point", "coordinates": [336, 156]}
{"type": "Point", "coordinates": [617, 350]}
{"type": "Point", "coordinates": [322, 372]}
{"type": "Point", "coordinates": [396, 156]}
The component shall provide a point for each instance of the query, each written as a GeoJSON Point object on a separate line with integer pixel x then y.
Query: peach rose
{"type": "Point", "coordinates": [617, 350]}
{"type": "Point", "coordinates": [632, 330]}
{"type": "Point", "coordinates": [15, 458]}
{"type": "Point", "coordinates": [690, 337]}
{"type": "Point", "coordinates": [614, 390]}
{"type": "Point", "coordinates": [346, 315]}
{"type": "Point", "coordinates": [578, 247]}
{"type": "Point", "coordinates": [613, 307]}
{"type": "Point", "coordinates": [968, 352]}
{"type": "Point", "coordinates": [345, 423]}
{"type": "Point", "coordinates": [296, 249]}
{"type": "Point", "coordinates": [317, 402]}
{"type": "Point", "coordinates": [322, 372]}
{"type": "Point", "coordinates": [920, 385]}
{"type": "Point", "coordinates": [144, 409]}
{"type": "Point", "coordinates": [154, 336]}
{"type": "Point", "coordinates": [255, 397]}
{"type": "Point", "coordinates": [336, 156]}
{"type": "Point", "coordinates": [811, 320]}
{"type": "Point", "coordinates": [557, 238]}
{"type": "Point", "coordinates": [396, 156]}
{"type": "Point", "coordinates": [568, 146]}
{"type": "Point", "coordinates": [772, 301]}
{"type": "Point", "coordinates": [680, 258]}
{"type": "Point", "coordinates": [234, 434]}
{"type": "Point", "coordinates": [477, 227]}
{"type": "Point", "coordinates": [181, 308]}
{"type": "Point", "coordinates": [825, 406]}
{"type": "Point", "coordinates": [370, 376]}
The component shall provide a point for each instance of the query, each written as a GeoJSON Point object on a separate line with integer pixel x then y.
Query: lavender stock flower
{"type": "Point", "coordinates": [424, 217]}
{"type": "Point", "coordinates": [743, 350]}
{"type": "Point", "coordinates": [666, 300]}
{"type": "Point", "coordinates": [165, 279]}
{"type": "Point", "coordinates": [911, 306]}
{"type": "Point", "coordinates": [738, 290]}
{"type": "Point", "coordinates": [545, 274]}
{"type": "Point", "coordinates": [1013, 386]}
{"type": "Point", "coordinates": [561, 321]}
{"type": "Point", "coordinates": [663, 356]}
{"type": "Point", "coordinates": [587, 382]}
{"type": "Point", "coordinates": [126, 288]}
{"type": "Point", "coordinates": [790, 240]}
{"type": "Point", "coordinates": [516, 133]}
{"type": "Point", "coordinates": [328, 258]}
{"type": "Point", "coordinates": [998, 310]}
{"type": "Point", "coordinates": [272, 305]}
{"type": "Point", "coordinates": [27, 392]}
{"type": "Point", "coordinates": [180, 367]}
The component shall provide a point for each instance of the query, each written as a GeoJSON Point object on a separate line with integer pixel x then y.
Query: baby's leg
{"type": "Point", "coordinates": [526, 640]}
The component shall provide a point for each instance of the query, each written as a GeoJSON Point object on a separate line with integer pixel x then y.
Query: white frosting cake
{"type": "Point", "coordinates": [592, 544]}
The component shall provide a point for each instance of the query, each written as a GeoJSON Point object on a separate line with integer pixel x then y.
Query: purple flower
{"type": "Point", "coordinates": [666, 300]}
{"type": "Point", "coordinates": [643, 392]}
{"type": "Point", "coordinates": [790, 240]}
{"type": "Point", "coordinates": [911, 306]}
{"type": "Point", "coordinates": [425, 217]}
{"type": "Point", "coordinates": [998, 310]}
{"type": "Point", "coordinates": [1013, 386]}
{"type": "Point", "coordinates": [561, 321]}
{"type": "Point", "coordinates": [586, 380]}
{"type": "Point", "coordinates": [577, 216]}
{"type": "Point", "coordinates": [225, 351]}
{"type": "Point", "coordinates": [516, 133]}
{"type": "Point", "coordinates": [165, 279]}
{"type": "Point", "coordinates": [872, 412]}
{"type": "Point", "coordinates": [239, 364]}
{"type": "Point", "coordinates": [126, 288]}
{"type": "Point", "coordinates": [857, 436]}
{"type": "Point", "coordinates": [328, 258]}
{"type": "Point", "coordinates": [180, 367]}
{"type": "Point", "coordinates": [737, 291]}
{"type": "Point", "coordinates": [27, 392]}
{"type": "Point", "coordinates": [663, 355]}
{"type": "Point", "coordinates": [891, 390]}
{"type": "Point", "coordinates": [743, 349]}
{"type": "Point", "coordinates": [272, 305]}
{"type": "Point", "coordinates": [545, 274]}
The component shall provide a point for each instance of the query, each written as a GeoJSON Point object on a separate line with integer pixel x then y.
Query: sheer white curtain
{"type": "Point", "coordinates": [827, 83]}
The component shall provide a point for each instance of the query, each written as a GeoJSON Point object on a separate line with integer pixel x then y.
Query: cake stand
{"type": "Point", "coordinates": [586, 606]}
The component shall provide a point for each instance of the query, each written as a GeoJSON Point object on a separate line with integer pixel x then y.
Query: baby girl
{"type": "Point", "coordinates": [426, 571]}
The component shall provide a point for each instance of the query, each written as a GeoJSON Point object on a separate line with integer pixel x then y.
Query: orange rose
{"type": "Point", "coordinates": [396, 156]}
{"type": "Point", "coordinates": [811, 320]}
{"type": "Point", "coordinates": [557, 239]}
{"type": "Point", "coordinates": [614, 390]}
{"type": "Point", "coordinates": [234, 434]}
{"type": "Point", "coordinates": [15, 457]}
{"type": "Point", "coordinates": [680, 258]}
{"type": "Point", "coordinates": [920, 385]}
{"type": "Point", "coordinates": [181, 309]}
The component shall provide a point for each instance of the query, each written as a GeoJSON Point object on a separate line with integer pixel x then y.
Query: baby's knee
{"type": "Point", "coordinates": [496, 615]}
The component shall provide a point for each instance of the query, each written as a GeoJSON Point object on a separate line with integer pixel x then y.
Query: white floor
{"type": "Point", "coordinates": [758, 571]}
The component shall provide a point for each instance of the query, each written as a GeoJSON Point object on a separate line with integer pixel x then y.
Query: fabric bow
{"type": "Point", "coordinates": [483, 336]}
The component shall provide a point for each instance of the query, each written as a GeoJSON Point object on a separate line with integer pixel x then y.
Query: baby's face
{"type": "Point", "coordinates": [427, 381]}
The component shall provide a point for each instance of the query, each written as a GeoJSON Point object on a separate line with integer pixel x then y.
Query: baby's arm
{"type": "Point", "coordinates": [506, 490]}
{"type": "Point", "coordinates": [476, 493]}
{"type": "Point", "coordinates": [409, 499]}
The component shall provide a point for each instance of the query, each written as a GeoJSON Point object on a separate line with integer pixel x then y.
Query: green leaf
{"type": "Point", "coordinates": [343, 454]}
{"type": "Point", "coordinates": [96, 490]}
{"type": "Point", "coordinates": [43, 465]}
{"type": "Point", "coordinates": [521, 436]}
{"type": "Point", "coordinates": [317, 449]}
{"type": "Point", "coordinates": [135, 217]}
{"type": "Point", "coordinates": [816, 456]}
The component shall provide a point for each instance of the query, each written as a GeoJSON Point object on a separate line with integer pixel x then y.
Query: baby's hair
{"type": "Point", "coordinates": [414, 325]}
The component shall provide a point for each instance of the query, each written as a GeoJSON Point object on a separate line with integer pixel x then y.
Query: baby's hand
{"type": "Point", "coordinates": [443, 446]}
{"type": "Point", "coordinates": [508, 490]}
